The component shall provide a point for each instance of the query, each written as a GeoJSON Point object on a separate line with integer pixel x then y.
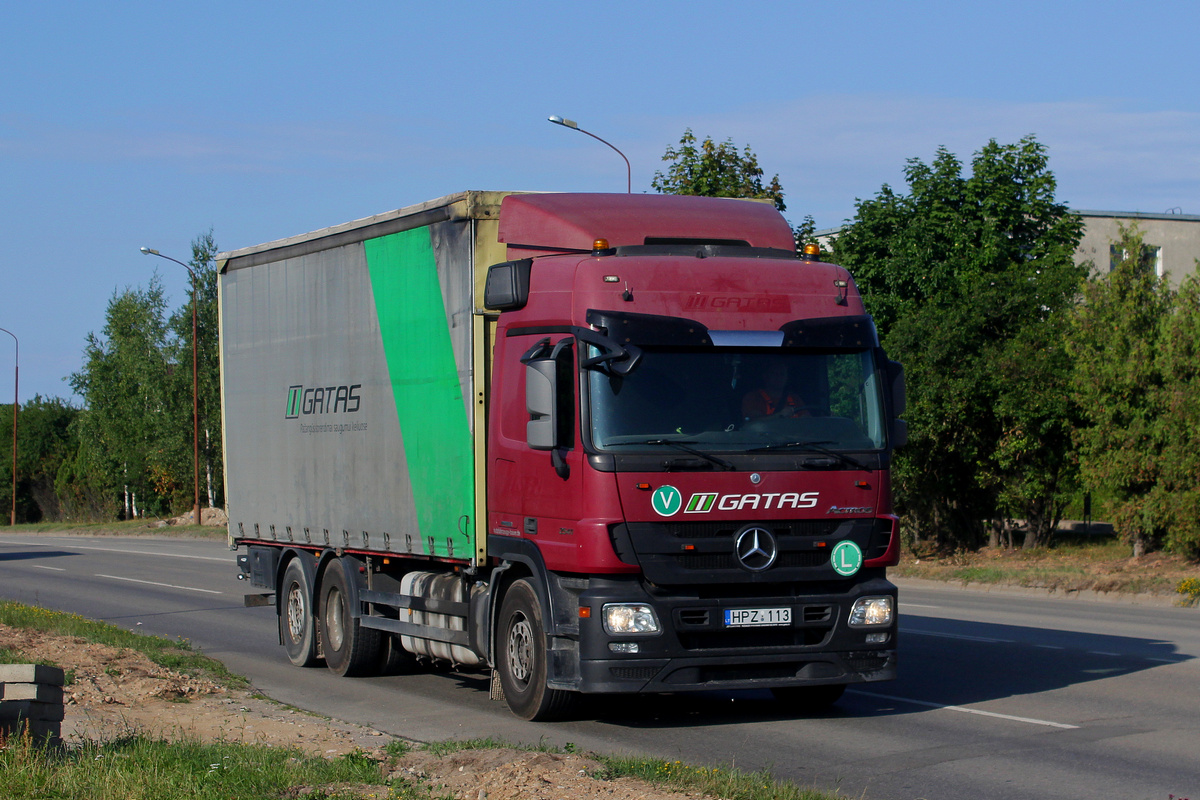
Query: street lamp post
{"type": "Point", "coordinates": [573, 125]}
{"type": "Point", "coordinates": [195, 389]}
{"type": "Point", "coordinates": [16, 378]}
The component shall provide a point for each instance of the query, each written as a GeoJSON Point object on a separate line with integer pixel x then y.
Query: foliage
{"type": "Point", "coordinates": [715, 170]}
{"type": "Point", "coordinates": [1190, 589]}
{"type": "Point", "coordinates": [137, 766]}
{"type": "Point", "coordinates": [1136, 343]}
{"type": "Point", "coordinates": [123, 384]}
{"type": "Point", "coordinates": [135, 434]}
{"type": "Point", "coordinates": [174, 654]}
{"type": "Point", "coordinates": [970, 280]}
{"type": "Point", "coordinates": [44, 442]}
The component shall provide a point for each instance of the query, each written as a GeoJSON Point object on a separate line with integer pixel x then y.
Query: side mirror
{"type": "Point", "coordinates": [507, 286]}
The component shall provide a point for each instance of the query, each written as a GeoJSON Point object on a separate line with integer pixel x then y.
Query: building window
{"type": "Point", "coordinates": [1151, 259]}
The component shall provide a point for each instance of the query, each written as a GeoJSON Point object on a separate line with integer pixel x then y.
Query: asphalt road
{"type": "Point", "coordinates": [1001, 695]}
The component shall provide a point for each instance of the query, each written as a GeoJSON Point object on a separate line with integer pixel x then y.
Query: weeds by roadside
{"type": "Point", "coordinates": [1070, 564]}
{"type": "Point", "coordinates": [136, 767]}
{"type": "Point", "coordinates": [176, 655]}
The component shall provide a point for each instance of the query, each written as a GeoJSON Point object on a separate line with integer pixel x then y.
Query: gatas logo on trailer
{"type": "Point", "coordinates": [307, 401]}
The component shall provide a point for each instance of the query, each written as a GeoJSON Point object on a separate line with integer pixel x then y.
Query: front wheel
{"type": "Point", "coordinates": [522, 658]}
{"type": "Point", "coordinates": [349, 648]}
{"type": "Point", "coordinates": [296, 622]}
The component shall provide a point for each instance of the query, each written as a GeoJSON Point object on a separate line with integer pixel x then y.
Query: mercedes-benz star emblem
{"type": "Point", "coordinates": [756, 549]}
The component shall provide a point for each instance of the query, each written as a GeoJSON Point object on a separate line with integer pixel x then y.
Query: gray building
{"type": "Point", "coordinates": [1171, 242]}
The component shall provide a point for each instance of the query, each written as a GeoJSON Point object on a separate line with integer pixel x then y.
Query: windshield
{"type": "Point", "coordinates": [739, 400]}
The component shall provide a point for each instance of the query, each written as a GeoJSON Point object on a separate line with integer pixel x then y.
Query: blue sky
{"type": "Point", "coordinates": [125, 124]}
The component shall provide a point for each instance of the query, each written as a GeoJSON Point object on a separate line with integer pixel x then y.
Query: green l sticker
{"type": "Point", "coordinates": [847, 558]}
{"type": "Point", "coordinates": [666, 501]}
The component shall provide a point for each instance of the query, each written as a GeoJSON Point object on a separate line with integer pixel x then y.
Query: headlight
{"type": "Point", "coordinates": [623, 619]}
{"type": "Point", "coordinates": [871, 612]}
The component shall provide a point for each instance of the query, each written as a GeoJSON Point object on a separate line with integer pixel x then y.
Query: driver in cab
{"type": "Point", "coordinates": [773, 399]}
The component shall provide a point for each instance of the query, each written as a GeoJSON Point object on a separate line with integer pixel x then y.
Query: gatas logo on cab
{"type": "Point", "coordinates": [667, 501]}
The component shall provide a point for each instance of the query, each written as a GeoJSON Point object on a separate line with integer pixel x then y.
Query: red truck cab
{"type": "Point", "coordinates": [689, 436]}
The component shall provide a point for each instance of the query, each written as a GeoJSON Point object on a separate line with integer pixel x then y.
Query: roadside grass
{"type": "Point", "coordinates": [136, 767]}
{"type": "Point", "coordinates": [728, 783]}
{"type": "Point", "coordinates": [135, 527]}
{"type": "Point", "coordinates": [173, 654]}
{"type": "Point", "coordinates": [1071, 563]}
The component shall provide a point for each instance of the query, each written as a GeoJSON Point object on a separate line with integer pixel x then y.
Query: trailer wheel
{"type": "Point", "coordinates": [522, 658]}
{"type": "Point", "coordinates": [808, 699]}
{"type": "Point", "coordinates": [350, 649]}
{"type": "Point", "coordinates": [297, 625]}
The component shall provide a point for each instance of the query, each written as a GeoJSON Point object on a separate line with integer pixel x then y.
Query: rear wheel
{"type": "Point", "coordinates": [349, 648]}
{"type": "Point", "coordinates": [522, 658]}
{"type": "Point", "coordinates": [296, 622]}
{"type": "Point", "coordinates": [808, 699]}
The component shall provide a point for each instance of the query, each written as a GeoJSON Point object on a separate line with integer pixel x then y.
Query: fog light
{"type": "Point", "coordinates": [622, 619]}
{"type": "Point", "coordinates": [623, 647]}
{"type": "Point", "coordinates": [871, 612]}
{"type": "Point", "coordinates": [877, 638]}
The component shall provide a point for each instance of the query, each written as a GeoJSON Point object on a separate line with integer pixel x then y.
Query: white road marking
{"type": "Point", "coordinates": [56, 569]}
{"type": "Point", "coordinates": [1101, 653]}
{"type": "Point", "coordinates": [1049, 647]}
{"type": "Point", "coordinates": [915, 605]}
{"type": "Point", "coordinates": [964, 710]}
{"type": "Point", "coordinates": [118, 550]}
{"type": "Point", "coordinates": [155, 583]}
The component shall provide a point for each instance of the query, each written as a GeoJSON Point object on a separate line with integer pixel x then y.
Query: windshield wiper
{"type": "Point", "coordinates": [815, 447]}
{"type": "Point", "coordinates": [720, 462]}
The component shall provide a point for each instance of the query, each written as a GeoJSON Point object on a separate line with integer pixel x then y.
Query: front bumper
{"type": "Point", "coordinates": [694, 650]}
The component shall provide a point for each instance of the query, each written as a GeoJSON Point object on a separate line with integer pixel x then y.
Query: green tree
{"type": "Point", "coordinates": [1179, 356]}
{"type": "Point", "coordinates": [970, 279]}
{"type": "Point", "coordinates": [124, 388]}
{"type": "Point", "coordinates": [45, 441]}
{"type": "Point", "coordinates": [1136, 345]}
{"type": "Point", "coordinates": [715, 170]}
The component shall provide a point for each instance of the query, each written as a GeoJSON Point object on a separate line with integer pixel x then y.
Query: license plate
{"type": "Point", "coordinates": [757, 617]}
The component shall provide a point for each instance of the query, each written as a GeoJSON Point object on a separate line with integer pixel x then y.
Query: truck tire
{"type": "Point", "coordinates": [350, 649]}
{"type": "Point", "coordinates": [297, 625]}
{"type": "Point", "coordinates": [521, 658]}
{"type": "Point", "coordinates": [808, 699]}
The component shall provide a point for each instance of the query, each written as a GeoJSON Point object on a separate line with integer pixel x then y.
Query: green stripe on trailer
{"type": "Point", "coordinates": [425, 383]}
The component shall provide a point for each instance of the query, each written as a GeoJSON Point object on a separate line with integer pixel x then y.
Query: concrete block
{"type": "Point", "coordinates": [38, 729]}
{"type": "Point", "coordinates": [40, 692]}
{"type": "Point", "coordinates": [31, 673]}
{"type": "Point", "coordinates": [32, 710]}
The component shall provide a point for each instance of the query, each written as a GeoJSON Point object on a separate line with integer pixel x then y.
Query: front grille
{"type": "Point", "coordinates": [866, 662]}
{"type": "Point", "coordinates": [689, 552]}
{"type": "Point", "coordinates": [633, 673]}
{"type": "Point", "coordinates": [750, 638]}
{"type": "Point", "coordinates": [710, 561]}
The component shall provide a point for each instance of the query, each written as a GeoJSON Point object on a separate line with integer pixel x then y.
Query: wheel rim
{"type": "Point", "coordinates": [334, 621]}
{"type": "Point", "coordinates": [295, 612]}
{"type": "Point", "coordinates": [520, 649]}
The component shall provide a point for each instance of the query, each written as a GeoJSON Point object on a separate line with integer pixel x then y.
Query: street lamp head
{"type": "Point", "coordinates": [149, 251]}
{"type": "Point", "coordinates": [569, 123]}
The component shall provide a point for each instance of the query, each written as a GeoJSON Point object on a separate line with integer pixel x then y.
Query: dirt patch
{"type": "Point", "coordinates": [115, 692]}
{"type": "Point", "coordinates": [523, 775]}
